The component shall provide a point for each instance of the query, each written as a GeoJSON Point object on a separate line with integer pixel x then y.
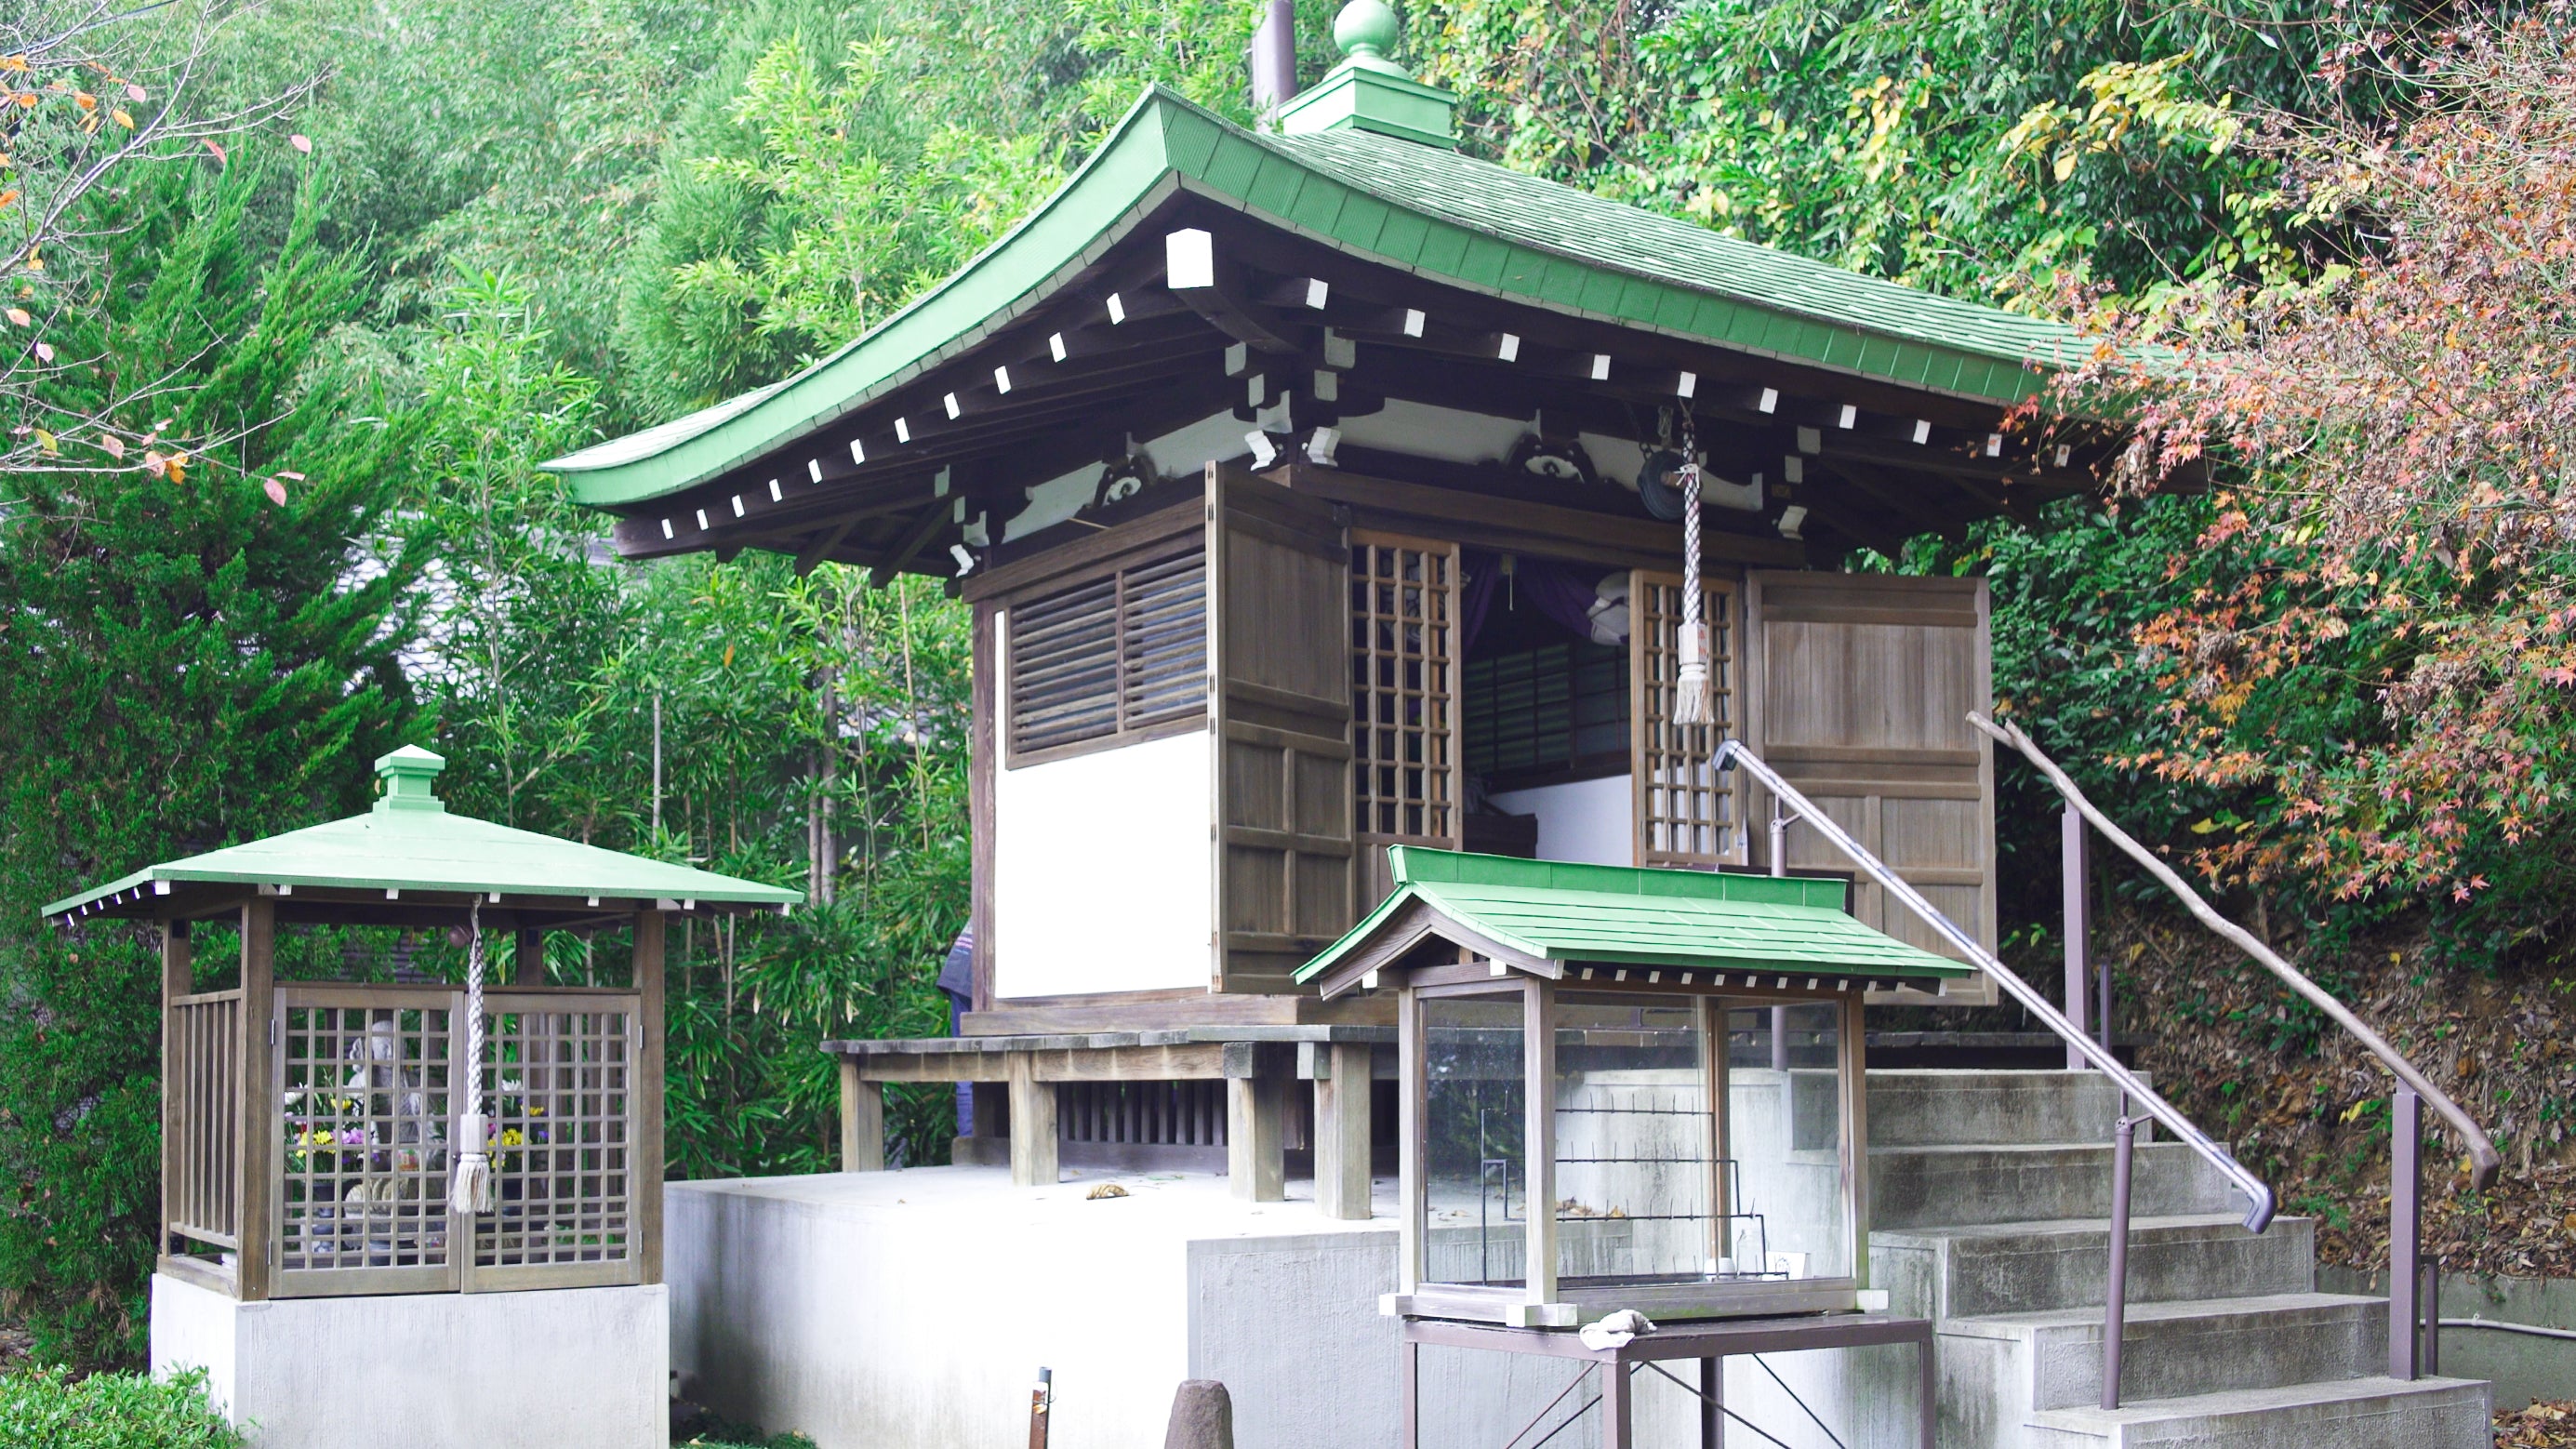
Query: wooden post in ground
{"type": "Point", "coordinates": [1033, 1125]}
{"type": "Point", "coordinates": [1256, 1147]}
{"type": "Point", "coordinates": [862, 1121]}
{"type": "Point", "coordinates": [1342, 1144]}
{"type": "Point", "coordinates": [255, 1130]}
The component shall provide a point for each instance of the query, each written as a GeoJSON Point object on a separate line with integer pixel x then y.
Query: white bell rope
{"type": "Point", "coordinates": [1693, 701]}
{"type": "Point", "coordinates": [473, 1191]}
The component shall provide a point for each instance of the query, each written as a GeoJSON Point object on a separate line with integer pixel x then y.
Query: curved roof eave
{"type": "Point", "coordinates": [1449, 218]}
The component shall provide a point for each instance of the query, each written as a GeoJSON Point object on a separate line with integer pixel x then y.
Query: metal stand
{"type": "Point", "coordinates": [1709, 1342]}
{"type": "Point", "coordinates": [2115, 1302]}
{"type": "Point", "coordinates": [2405, 1234]}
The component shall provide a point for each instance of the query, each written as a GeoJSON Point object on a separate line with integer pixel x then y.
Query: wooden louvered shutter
{"type": "Point", "coordinates": [1064, 667]}
{"type": "Point", "coordinates": [1162, 641]}
{"type": "Point", "coordinates": [1112, 658]}
{"type": "Point", "coordinates": [1859, 692]}
{"type": "Point", "coordinates": [1404, 700]}
{"type": "Point", "coordinates": [1278, 592]}
{"type": "Point", "coordinates": [1686, 813]}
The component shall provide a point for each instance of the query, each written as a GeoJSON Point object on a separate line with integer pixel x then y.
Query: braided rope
{"type": "Point", "coordinates": [1692, 701]}
{"type": "Point", "coordinates": [473, 1189]}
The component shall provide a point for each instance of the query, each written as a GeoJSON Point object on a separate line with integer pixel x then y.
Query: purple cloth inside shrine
{"type": "Point", "coordinates": [1562, 593]}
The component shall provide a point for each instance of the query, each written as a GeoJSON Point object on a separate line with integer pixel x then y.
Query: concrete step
{"type": "Point", "coordinates": [2053, 1360]}
{"type": "Point", "coordinates": [2026, 1267]}
{"type": "Point", "coordinates": [1913, 1187]}
{"type": "Point", "coordinates": [2369, 1413]}
{"type": "Point", "coordinates": [1964, 1108]}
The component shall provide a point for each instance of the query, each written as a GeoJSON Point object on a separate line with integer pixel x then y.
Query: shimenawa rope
{"type": "Point", "coordinates": [473, 1193]}
{"type": "Point", "coordinates": [1692, 701]}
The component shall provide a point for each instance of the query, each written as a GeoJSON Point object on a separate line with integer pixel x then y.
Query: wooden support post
{"type": "Point", "coordinates": [648, 1084]}
{"type": "Point", "coordinates": [1411, 1114]}
{"type": "Point", "coordinates": [1538, 1156]}
{"type": "Point", "coordinates": [178, 978]}
{"type": "Point", "coordinates": [1710, 1016]}
{"type": "Point", "coordinates": [1851, 1043]}
{"type": "Point", "coordinates": [1033, 1125]}
{"type": "Point", "coordinates": [256, 1129]}
{"type": "Point", "coordinates": [1342, 1145]}
{"type": "Point", "coordinates": [862, 1121]}
{"type": "Point", "coordinates": [1712, 1398]}
{"type": "Point", "coordinates": [1256, 1146]}
{"type": "Point", "coordinates": [532, 959]}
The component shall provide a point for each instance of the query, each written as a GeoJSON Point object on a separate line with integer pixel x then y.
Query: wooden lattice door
{"type": "Point", "coordinates": [1686, 813]}
{"type": "Point", "coordinates": [1404, 700]}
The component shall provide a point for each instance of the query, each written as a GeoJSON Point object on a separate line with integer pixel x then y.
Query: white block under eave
{"type": "Point", "coordinates": [1189, 259]}
{"type": "Point", "coordinates": [567, 1368]}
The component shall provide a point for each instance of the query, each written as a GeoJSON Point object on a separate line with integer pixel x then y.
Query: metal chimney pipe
{"type": "Point", "coordinates": [1274, 56]}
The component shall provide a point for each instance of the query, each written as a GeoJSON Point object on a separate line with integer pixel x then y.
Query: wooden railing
{"type": "Point", "coordinates": [201, 1119]}
{"type": "Point", "coordinates": [361, 1113]}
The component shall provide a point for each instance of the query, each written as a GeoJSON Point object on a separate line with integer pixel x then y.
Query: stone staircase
{"type": "Point", "coordinates": [1991, 1201]}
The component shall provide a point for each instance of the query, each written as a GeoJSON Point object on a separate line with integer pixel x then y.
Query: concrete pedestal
{"type": "Point", "coordinates": [914, 1308]}
{"type": "Point", "coordinates": [568, 1368]}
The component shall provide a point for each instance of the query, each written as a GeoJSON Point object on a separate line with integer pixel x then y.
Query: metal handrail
{"type": "Point", "coordinates": [2414, 1319]}
{"type": "Point", "coordinates": [1733, 752]}
{"type": "Point", "coordinates": [2482, 1153]}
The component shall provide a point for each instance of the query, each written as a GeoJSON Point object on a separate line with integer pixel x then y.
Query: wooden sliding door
{"type": "Point", "coordinates": [1278, 577]}
{"type": "Point", "coordinates": [1686, 813]}
{"type": "Point", "coordinates": [1860, 697]}
{"type": "Point", "coordinates": [1404, 663]}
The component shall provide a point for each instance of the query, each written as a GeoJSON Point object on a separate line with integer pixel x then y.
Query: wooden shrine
{"type": "Point", "coordinates": [310, 1126]}
{"type": "Point", "coordinates": [1314, 489]}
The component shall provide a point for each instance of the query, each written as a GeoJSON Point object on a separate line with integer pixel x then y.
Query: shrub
{"type": "Point", "coordinates": [45, 1408]}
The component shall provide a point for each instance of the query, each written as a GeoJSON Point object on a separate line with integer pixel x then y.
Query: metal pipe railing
{"type": "Point", "coordinates": [2414, 1327]}
{"type": "Point", "coordinates": [1732, 753]}
{"type": "Point", "coordinates": [2482, 1153]}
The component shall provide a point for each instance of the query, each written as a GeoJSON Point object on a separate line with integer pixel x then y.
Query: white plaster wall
{"type": "Point", "coordinates": [1100, 871]}
{"type": "Point", "coordinates": [1589, 822]}
{"type": "Point", "coordinates": [1180, 453]}
{"type": "Point", "coordinates": [914, 1308]}
{"type": "Point", "coordinates": [567, 1368]}
{"type": "Point", "coordinates": [878, 1309]}
{"type": "Point", "coordinates": [1435, 432]}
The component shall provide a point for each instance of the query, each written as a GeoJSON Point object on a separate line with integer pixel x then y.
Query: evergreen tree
{"type": "Point", "coordinates": [200, 647]}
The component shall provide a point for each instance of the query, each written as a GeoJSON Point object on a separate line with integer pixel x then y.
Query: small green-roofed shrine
{"type": "Point", "coordinates": [1546, 916]}
{"type": "Point", "coordinates": [441, 1116]}
{"type": "Point", "coordinates": [412, 847]}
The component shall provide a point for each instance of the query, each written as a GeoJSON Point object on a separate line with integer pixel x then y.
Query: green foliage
{"type": "Point", "coordinates": [831, 164]}
{"type": "Point", "coordinates": [524, 614]}
{"type": "Point", "coordinates": [1997, 151]}
{"type": "Point", "coordinates": [183, 663]}
{"type": "Point", "coordinates": [45, 1408]}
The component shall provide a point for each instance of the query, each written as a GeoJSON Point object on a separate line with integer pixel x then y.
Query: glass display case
{"type": "Point", "coordinates": [1624, 1088]}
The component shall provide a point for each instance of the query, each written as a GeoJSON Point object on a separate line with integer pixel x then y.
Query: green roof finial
{"type": "Point", "coordinates": [407, 773]}
{"type": "Point", "coordinates": [1366, 30]}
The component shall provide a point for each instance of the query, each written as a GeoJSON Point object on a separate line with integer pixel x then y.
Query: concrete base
{"type": "Point", "coordinates": [569, 1368]}
{"type": "Point", "coordinates": [2522, 1367]}
{"type": "Point", "coordinates": [915, 1308]}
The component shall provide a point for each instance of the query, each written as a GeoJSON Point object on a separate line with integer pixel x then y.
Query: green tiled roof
{"type": "Point", "coordinates": [1418, 208]}
{"type": "Point", "coordinates": [409, 842]}
{"type": "Point", "coordinates": [1617, 915]}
